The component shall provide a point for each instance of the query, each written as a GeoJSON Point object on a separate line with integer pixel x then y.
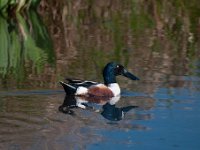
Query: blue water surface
{"type": "Point", "coordinates": [175, 124]}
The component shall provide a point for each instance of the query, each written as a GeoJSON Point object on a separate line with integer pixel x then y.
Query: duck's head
{"type": "Point", "coordinates": [113, 69]}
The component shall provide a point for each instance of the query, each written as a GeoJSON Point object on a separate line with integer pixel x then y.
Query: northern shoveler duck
{"type": "Point", "coordinates": [110, 88]}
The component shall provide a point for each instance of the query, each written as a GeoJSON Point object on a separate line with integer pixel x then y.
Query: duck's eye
{"type": "Point", "coordinates": [118, 70]}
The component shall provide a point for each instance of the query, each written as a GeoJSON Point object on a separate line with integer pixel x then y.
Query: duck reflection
{"type": "Point", "coordinates": [108, 110]}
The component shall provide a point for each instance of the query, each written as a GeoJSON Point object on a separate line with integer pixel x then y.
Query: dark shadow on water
{"type": "Point", "coordinates": [113, 113]}
{"type": "Point", "coordinates": [108, 109]}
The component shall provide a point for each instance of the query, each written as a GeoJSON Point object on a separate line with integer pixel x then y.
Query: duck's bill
{"type": "Point", "coordinates": [130, 75]}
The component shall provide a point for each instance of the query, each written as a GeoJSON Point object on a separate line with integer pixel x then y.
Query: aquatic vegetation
{"type": "Point", "coordinates": [88, 34]}
{"type": "Point", "coordinates": [21, 45]}
{"type": "Point", "coordinates": [17, 5]}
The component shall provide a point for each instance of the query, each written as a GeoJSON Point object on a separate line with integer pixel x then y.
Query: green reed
{"type": "Point", "coordinates": [19, 46]}
{"type": "Point", "coordinates": [17, 5]}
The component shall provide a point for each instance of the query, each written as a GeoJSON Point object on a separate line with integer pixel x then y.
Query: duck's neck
{"type": "Point", "coordinates": [110, 81]}
{"type": "Point", "coordinates": [109, 78]}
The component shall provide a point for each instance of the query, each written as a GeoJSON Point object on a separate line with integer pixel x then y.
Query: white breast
{"type": "Point", "coordinates": [114, 87]}
{"type": "Point", "coordinates": [114, 100]}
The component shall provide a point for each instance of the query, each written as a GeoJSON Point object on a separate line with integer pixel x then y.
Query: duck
{"type": "Point", "coordinates": [110, 88]}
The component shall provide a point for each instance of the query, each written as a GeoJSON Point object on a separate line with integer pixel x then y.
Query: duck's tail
{"type": "Point", "coordinates": [69, 89]}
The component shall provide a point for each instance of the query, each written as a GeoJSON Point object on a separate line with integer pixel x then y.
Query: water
{"type": "Point", "coordinates": [169, 119]}
{"type": "Point", "coordinates": [157, 41]}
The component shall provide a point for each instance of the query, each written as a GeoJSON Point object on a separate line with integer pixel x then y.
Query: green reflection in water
{"type": "Point", "coordinates": [153, 38]}
{"type": "Point", "coordinates": [17, 5]}
{"type": "Point", "coordinates": [24, 42]}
